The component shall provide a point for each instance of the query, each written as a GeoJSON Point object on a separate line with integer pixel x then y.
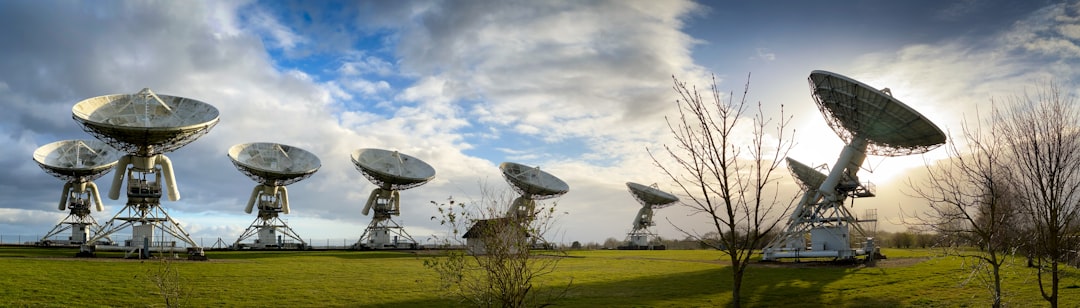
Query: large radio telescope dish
{"type": "Point", "coordinates": [77, 160]}
{"type": "Point", "coordinates": [273, 164]}
{"type": "Point", "coordinates": [391, 170]}
{"type": "Point", "coordinates": [808, 177]}
{"type": "Point", "coordinates": [651, 196]}
{"type": "Point", "coordinates": [145, 123]}
{"type": "Point", "coordinates": [856, 110]}
{"type": "Point", "coordinates": [533, 182]}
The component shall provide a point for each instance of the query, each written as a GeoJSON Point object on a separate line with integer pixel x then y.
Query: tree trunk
{"type": "Point", "coordinates": [1054, 283]}
{"type": "Point", "coordinates": [997, 282]}
{"type": "Point", "coordinates": [736, 286]}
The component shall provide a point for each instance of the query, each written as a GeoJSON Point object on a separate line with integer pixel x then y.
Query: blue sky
{"type": "Point", "coordinates": [579, 88]}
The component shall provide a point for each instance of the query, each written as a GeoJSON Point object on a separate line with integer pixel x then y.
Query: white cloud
{"type": "Point", "coordinates": [565, 69]}
{"type": "Point", "coordinates": [764, 54]}
{"type": "Point", "coordinates": [278, 35]}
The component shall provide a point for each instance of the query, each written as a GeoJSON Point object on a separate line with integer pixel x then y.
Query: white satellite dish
{"type": "Point", "coordinates": [533, 184]}
{"type": "Point", "coordinates": [273, 166]}
{"type": "Point", "coordinates": [871, 122]}
{"type": "Point", "coordinates": [76, 160]}
{"type": "Point", "coordinates": [78, 163]}
{"type": "Point", "coordinates": [808, 177]}
{"type": "Point", "coordinates": [651, 198]}
{"type": "Point", "coordinates": [145, 125]}
{"type": "Point", "coordinates": [392, 172]}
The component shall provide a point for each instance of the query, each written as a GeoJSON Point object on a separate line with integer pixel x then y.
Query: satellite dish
{"type": "Point", "coordinates": [145, 126]}
{"type": "Point", "coordinates": [78, 163]}
{"type": "Point", "coordinates": [808, 177]}
{"type": "Point", "coordinates": [76, 160]}
{"type": "Point", "coordinates": [855, 110]}
{"type": "Point", "coordinates": [870, 122]}
{"type": "Point", "coordinates": [273, 164]}
{"type": "Point", "coordinates": [391, 170]}
{"type": "Point", "coordinates": [145, 123]}
{"type": "Point", "coordinates": [533, 183]}
{"type": "Point", "coordinates": [651, 196]}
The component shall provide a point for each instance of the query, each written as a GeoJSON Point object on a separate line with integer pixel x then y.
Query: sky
{"type": "Point", "coordinates": [579, 88]}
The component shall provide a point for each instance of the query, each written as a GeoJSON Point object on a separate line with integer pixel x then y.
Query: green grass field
{"type": "Point", "coordinates": [42, 277]}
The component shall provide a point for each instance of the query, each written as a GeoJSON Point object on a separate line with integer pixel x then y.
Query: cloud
{"type": "Point", "coordinates": [764, 54]}
{"type": "Point", "coordinates": [565, 69]}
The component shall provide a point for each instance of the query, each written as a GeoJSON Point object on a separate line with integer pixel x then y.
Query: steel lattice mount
{"type": "Point", "coordinates": [384, 233]}
{"type": "Point", "coordinates": [643, 239]}
{"type": "Point", "coordinates": [267, 226]}
{"type": "Point", "coordinates": [79, 221]}
{"type": "Point", "coordinates": [149, 223]}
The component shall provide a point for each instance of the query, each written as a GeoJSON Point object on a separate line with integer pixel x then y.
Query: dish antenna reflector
{"type": "Point", "coordinates": [870, 121]}
{"type": "Point", "coordinates": [78, 163]}
{"type": "Point", "coordinates": [145, 125]}
{"type": "Point", "coordinates": [533, 184]}
{"type": "Point", "coordinates": [392, 172]}
{"type": "Point", "coordinates": [651, 198]}
{"type": "Point", "coordinates": [808, 178]}
{"type": "Point", "coordinates": [273, 166]}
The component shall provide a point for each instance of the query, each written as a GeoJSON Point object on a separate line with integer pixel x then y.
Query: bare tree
{"type": "Point", "coordinates": [971, 204]}
{"type": "Point", "coordinates": [499, 263]}
{"type": "Point", "coordinates": [734, 185]}
{"type": "Point", "coordinates": [165, 276]}
{"type": "Point", "coordinates": [1042, 135]}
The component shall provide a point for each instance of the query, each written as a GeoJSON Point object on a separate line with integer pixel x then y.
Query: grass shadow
{"type": "Point", "coordinates": [808, 285]}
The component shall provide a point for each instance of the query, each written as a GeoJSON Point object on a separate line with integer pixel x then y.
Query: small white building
{"type": "Point", "coordinates": [496, 233]}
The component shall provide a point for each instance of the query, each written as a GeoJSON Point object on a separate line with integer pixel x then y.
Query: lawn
{"type": "Point", "coordinates": [909, 278]}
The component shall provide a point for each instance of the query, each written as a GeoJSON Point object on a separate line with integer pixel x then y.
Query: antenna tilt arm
{"type": "Point", "coordinates": [371, 201]}
{"type": "Point", "coordinates": [96, 196]}
{"type": "Point", "coordinates": [167, 171]}
{"type": "Point", "coordinates": [284, 198]}
{"type": "Point", "coordinates": [254, 197]}
{"type": "Point", "coordinates": [644, 218]}
{"type": "Point", "coordinates": [64, 196]}
{"type": "Point", "coordinates": [118, 176]}
{"type": "Point", "coordinates": [853, 154]}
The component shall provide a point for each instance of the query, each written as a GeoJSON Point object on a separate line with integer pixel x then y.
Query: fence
{"type": "Point", "coordinates": [208, 243]}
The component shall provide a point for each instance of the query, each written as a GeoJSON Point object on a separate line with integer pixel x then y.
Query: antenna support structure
{"type": "Point", "coordinates": [870, 122]}
{"type": "Point", "coordinates": [78, 163]}
{"type": "Point", "coordinates": [641, 236]}
{"type": "Point", "coordinates": [145, 125]}
{"type": "Point", "coordinates": [273, 166]}
{"type": "Point", "coordinates": [392, 172]}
